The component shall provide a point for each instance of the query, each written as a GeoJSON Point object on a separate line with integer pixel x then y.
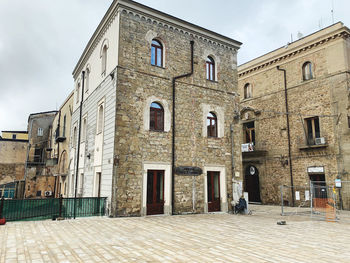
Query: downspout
{"type": "Point", "coordinates": [27, 157]}
{"type": "Point", "coordinates": [57, 178]}
{"type": "Point", "coordinates": [78, 144]}
{"type": "Point", "coordinates": [173, 132]}
{"type": "Point", "coordinates": [288, 131]}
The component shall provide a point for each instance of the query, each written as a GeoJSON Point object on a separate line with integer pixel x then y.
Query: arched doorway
{"type": "Point", "coordinates": [251, 183]}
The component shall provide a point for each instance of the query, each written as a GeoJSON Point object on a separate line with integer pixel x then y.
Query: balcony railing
{"type": "Point", "coordinates": [311, 143]}
{"type": "Point", "coordinates": [59, 138]}
{"type": "Point", "coordinates": [257, 148]}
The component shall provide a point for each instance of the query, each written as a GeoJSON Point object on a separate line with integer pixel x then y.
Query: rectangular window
{"type": "Point", "coordinates": [349, 122]}
{"type": "Point", "coordinates": [249, 132]}
{"type": "Point", "coordinates": [312, 130]}
{"type": "Point", "coordinates": [14, 136]}
{"type": "Point", "coordinates": [64, 126]}
{"type": "Point", "coordinates": [38, 152]}
{"type": "Point", "coordinates": [40, 131]}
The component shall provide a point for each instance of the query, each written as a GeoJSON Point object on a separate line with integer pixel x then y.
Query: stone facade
{"type": "Point", "coordinates": [135, 85]}
{"type": "Point", "coordinates": [38, 177]}
{"type": "Point", "coordinates": [321, 99]}
{"type": "Point", "coordinates": [13, 149]}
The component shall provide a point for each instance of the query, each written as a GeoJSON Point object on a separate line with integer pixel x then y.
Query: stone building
{"type": "Point", "coordinates": [13, 149]}
{"type": "Point", "coordinates": [295, 115]}
{"type": "Point", "coordinates": [155, 99]}
{"type": "Point", "coordinates": [38, 178]}
{"type": "Point", "coordinates": [58, 161]}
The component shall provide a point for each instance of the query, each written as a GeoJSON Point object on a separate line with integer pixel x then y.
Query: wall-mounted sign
{"type": "Point", "coordinates": [315, 169]}
{"type": "Point", "coordinates": [338, 183]}
{"type": "Point", "coordinates": [188, 170]}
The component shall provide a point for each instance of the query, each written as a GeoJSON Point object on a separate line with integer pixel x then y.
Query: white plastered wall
{"type": "Point", "coordinates": [167, 185]}
{"type": "Point", "coordinates": [223, 188]}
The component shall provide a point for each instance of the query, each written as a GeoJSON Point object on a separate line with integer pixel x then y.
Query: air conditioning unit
{"type": "Point", "coordinates": [319, 141]}
{"type": "Point", "coordinates": [48, 193]}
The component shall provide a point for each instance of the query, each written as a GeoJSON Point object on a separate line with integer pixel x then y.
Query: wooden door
{"type": "Point", "coordinates": [213, 179]}
{"type": "Point", "coordinates": [155, 192]}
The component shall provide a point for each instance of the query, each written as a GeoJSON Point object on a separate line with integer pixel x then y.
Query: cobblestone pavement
{"type": "Point", "coordinates": [190, 238]}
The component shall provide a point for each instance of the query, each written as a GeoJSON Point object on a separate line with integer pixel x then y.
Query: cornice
{"type": "Point", "coordinates": [296, 51]}
{"type": "Point", "coordinates": [155, 17]}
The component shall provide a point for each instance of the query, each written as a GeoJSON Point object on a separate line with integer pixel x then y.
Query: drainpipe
{"type": "Point", "coordinates": [78, 144]}
{"type": "Point", "coordinates": [288, 132]}
{"type": "Point", "coordinates": [27, 157]}
{"type": "Point", "coordinates": [173, 132]}
{"type": "Point", "coordinates": [57, 178]}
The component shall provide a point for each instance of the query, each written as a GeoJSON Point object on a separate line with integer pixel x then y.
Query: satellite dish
{"type": "Point", "coordinates": [299, 35]}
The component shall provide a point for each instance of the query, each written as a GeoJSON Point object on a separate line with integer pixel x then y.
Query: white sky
{"type": "Point", "coordinates": [42, 40]}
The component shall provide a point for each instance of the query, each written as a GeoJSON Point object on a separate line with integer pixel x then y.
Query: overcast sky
{"type": "Point", "coordinates": [42, 40]}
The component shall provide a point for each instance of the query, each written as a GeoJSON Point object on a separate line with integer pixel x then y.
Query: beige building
{"type": "Point", "coordinates": [156, 97]}
{"type": "Point", "coordinates": [13, 150]}
{"type": "Point", "coordinates": [296, 127]}
{"type": "Point", "coordinates": [58, 161]}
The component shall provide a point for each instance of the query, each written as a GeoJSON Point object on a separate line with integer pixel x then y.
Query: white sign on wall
{"type": "Point", "coordinates": [315, 169]}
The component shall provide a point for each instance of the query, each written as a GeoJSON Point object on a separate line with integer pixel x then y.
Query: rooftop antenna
{"type": "Point", "coordinates": [291, 38]}
{"type": "Point", "coordinates": [332, 11]}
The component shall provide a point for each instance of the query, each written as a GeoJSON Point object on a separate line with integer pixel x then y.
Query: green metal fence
{"type": "Point", "coordinates": [39, 209]}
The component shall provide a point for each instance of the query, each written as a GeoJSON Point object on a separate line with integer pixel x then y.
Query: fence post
{"type": "Point", "coordinates": [60, 204]}
{"type": "Point", "coordinates": [2, 206]}
{"type": "Point", "coordinates": [282, 199]}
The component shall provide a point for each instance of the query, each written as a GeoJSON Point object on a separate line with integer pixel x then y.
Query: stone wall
{"type": "Point", "coordinates": [325, 96]}
{"type": "Point", "coordinates": [137, 80]}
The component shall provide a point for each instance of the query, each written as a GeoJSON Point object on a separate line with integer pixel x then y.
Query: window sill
{"type": "Point", "coordinates": [159, 131]}
{"type": "Point", "coordinates": [158, 66]}
{"type": "Point", "coordinates": [247, 99]}
{"type": "Point", "coordinates": [213, 81]}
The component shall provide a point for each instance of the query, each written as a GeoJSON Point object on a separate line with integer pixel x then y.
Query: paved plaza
{"type": "Point", "coordinates": [190, 238]}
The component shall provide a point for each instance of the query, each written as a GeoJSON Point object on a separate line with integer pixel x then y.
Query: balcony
{"type": "Point", "coordinates": [52, 162]}
{"type": "Point", "coordinates": [254, 149]}
{"type": "Point", "coordinates": [312, 143]}
{"type": "Point", "coordinates": [59, 138]}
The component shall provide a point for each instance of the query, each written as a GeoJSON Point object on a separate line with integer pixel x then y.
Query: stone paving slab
{"type": "Point", "coordinates": [190, 238]}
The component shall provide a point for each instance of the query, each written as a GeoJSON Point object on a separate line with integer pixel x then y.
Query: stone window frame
{"type": "Point", "coordinates": [146, 113]}
{"type": "Point", "coordinates": [220, 115]}
{"type": "Point", "coordinates": [248, 91]}
{"type": "Point", "coordinates": [166, 167]}
{"type": "Point", "coordinates": [313, 129]}
{"type": "Point", "coordinates": [223, 186]}
{"type": "Point", "coordinates": [40, 132]}
{"type": "Point", "coordinates": [75, 135]}
{"type": "Point", "coordinates": [84, 128]}
{"type": "Point", "coordinates": [349, 121]}
{"type": "Point", "coordinates": [307, 75]}
{"type": "Point", "coordinates": [103, 56]}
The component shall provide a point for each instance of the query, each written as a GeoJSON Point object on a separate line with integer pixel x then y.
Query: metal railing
{"type": "Point", "coordinates": [52, 208]}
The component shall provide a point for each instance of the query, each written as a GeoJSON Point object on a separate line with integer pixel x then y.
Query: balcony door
{"type": "Point", "coordinates": [155, 192]}
{"type": "Point", "coordinates": [213, 179]}
{"type": "Point", "coordinates": [251, 184]}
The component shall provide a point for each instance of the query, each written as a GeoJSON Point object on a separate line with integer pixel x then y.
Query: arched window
{"type": "Point", "coordinates": [78, 93]}
{"type": "Point", "coordinates": [247, 91]}
{"type": "Point", "coordinates": [210, 66]}
{"type": "Point", "coordinates": [87, 79]}
{"type": "Point", "coordinates": [83, 137]}
{"type": "Point", "coordinates": [307, 71]}
{"type": "Point", "coordinates": [104, 59]}
{"type": "Point", "coordinates": [156, 53]}
{"type": "Point", "coordinates": [212, 126]}
{"type": "Point", "coordinates": [75, 137]}
{"type": "Point", "coordinates": [100, 119]}
{"type": "Point", "coordinates": [156, 120]}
